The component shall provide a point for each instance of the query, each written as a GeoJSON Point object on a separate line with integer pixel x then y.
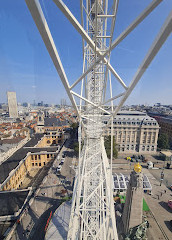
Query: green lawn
{"type": "Point", "coordinates": [122, 197]}
{"type": "Point", "coordinates": [145, 206]}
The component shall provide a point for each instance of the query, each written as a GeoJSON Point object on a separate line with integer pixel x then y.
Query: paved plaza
{"type": "Point", "coordinates": [160, 214]}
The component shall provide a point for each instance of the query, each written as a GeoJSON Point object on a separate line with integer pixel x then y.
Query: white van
{"type": "Point", "coordinates": [58, 169]}
{"type": "Point", "coordinates": [149, 164]}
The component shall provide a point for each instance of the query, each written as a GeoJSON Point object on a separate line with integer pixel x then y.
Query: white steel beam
{"type": "Point", "coordinates": [134, 24]}
{"type": "Point", "coordinates": [123, 35]}
{"type": "Point", "coordinates": [84, 35]}
{"type": "Point", "coordinates": [113, 98]}
{"type": "Point", "coordinates": [157, 44]}
{"type": "Point", "coordinates": [93, 104]}
{"type": "Point", "coordinates": [40, 21]}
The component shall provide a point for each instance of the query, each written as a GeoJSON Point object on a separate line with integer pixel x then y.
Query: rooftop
{"type": "Point", "coordinates": [12, 201]}
{"type": "Point", "coordinates": [11, 141]}
{"type": "Point", "coordinates": [52, 122]}
{"type": "Point", "coordinates": [133, 113]}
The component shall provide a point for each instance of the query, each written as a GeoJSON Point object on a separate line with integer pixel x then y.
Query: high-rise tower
{"type": "Point", "coordinates": [12, 104]}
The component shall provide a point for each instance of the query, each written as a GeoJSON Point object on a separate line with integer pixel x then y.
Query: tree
{"type": "Point", "coordinates": [74, 125]}
{"type": "Point", "coordinates": [76, 147]}
{"type": "Point", "coordinates": [74, 128]}
{"type": "Point", "coordinates": [107, 142]}
{"type": "Point", "coordinates": [163, 141]}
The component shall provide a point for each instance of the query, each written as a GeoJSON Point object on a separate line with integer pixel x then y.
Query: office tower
{"type": "Point", "coordinates": [12, 104]}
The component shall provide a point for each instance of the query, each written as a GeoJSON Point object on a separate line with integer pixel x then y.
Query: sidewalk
{"type": "Point", "coordinates": [157, 203]}
{"type": "Point", "coordinates": [59, 225]}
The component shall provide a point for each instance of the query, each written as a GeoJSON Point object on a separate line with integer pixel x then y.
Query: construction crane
{"type": "Point", "coordinates": [92, 212]}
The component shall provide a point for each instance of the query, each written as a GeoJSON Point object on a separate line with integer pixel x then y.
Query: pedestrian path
{"type": "Point", "coordinates": [158, 203]}
{"type": "Point", "coordinates": [58, 227]}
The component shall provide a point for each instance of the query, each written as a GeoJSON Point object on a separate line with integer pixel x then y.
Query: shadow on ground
{"type": "Point", "coordinates": [169, 224]}
{"type": "Point", "coordinates": [39, 233]}
{"type": "Point", "coordinates": [165, 206]}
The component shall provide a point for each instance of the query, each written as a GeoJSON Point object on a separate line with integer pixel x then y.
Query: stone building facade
{"type": "Point", "coordinates": [14, 170]}
{"type": "Point", "coordinates": [32, 160]}
{"type": "Point", "coordinates": [135, 132]}
{"type": "Point", "coordinates": [165, 123]}
{"type": "Point", "coordinates": [53, 128]}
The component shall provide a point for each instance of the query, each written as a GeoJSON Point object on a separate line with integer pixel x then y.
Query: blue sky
{"type": "Point", "coordinates": [25, 65]}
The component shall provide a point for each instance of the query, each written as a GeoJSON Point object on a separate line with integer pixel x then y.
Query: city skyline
{"type": "Point", "coordinates": [27, 68]}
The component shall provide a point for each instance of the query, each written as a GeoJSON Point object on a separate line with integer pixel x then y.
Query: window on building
{"type": "Point", "coordinates": [32, 164]}
{"type": "Point", "coordinates": [48, 156]}
{"type": "Point", "coordinates": [39, 157]}
{"type": "Point", "coordinates": [36, 164]}
{"type": "Point", "coordinates": [40, 164]}
{"type": "Point", "coordinates": [44, 163]}
{"type": "Point", "coordinates": [32, 157]}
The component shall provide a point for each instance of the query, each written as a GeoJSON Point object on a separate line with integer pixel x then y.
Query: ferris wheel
{"type": "Point", "coordinates": [92, 213]}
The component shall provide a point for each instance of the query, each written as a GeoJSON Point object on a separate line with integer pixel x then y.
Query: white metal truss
{"type": "Point", "coordinates": [92, 214]}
